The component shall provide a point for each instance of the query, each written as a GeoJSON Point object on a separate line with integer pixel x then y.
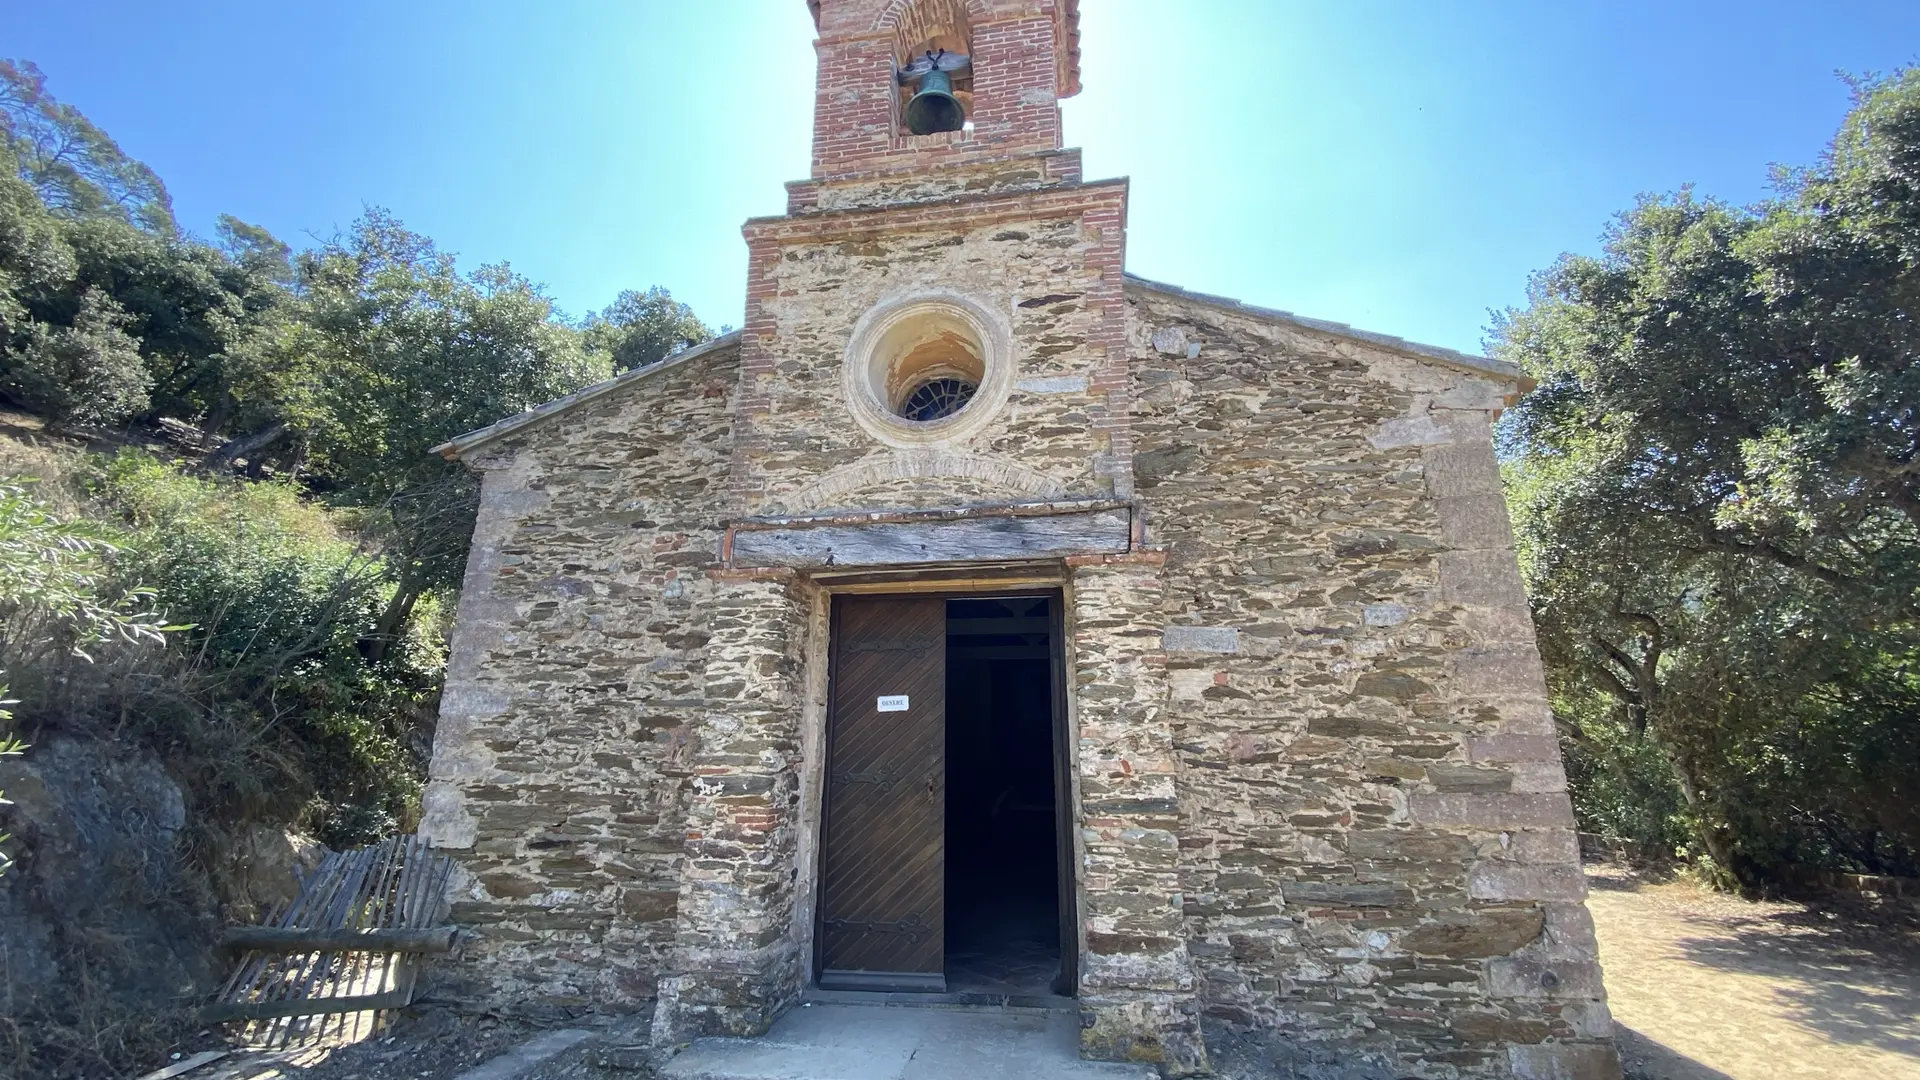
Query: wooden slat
{"type": "Point", "coordinates": [186, 1065]}
{"type": "Point", "coordinates": [883, 858]}
{"type": "Point", "coordinates": [223, 1011]}
{"type": "Point", "coordinates": [390, 940]}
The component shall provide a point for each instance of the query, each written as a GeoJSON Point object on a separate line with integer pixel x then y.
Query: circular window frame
{"type": "Point", "coordinates": [864, 374]}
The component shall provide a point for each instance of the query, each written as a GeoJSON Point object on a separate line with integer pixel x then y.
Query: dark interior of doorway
{"type": "Point", "coordinates": [1003, 883]}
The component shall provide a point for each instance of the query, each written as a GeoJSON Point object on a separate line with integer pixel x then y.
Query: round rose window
{"type": "Point", "coordinates": [927, 370]}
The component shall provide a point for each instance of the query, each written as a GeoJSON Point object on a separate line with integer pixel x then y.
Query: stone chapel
{"type": "Point", "coordinates": [982, 622]}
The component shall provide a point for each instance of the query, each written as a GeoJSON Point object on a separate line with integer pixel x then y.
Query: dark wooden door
{"type": "Point", "coordinates": [883, 844]}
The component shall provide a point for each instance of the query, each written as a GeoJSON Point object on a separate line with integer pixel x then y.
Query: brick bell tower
{"type": "Point", "coordinates": [990, 217]}
{"type": "Point", "coordinates": [945, 241]}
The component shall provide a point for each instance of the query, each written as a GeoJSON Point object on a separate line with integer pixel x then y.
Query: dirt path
{"type": "Point", "coordinates": [1710, 987]}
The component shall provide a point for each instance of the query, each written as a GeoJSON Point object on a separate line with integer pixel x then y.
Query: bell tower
{"type": "Point", "coordinates": [1005, 65]}
{"type": "Point", "coordinates": [983, 223]}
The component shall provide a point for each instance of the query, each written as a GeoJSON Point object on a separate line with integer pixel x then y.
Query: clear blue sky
{"type": "Point", "coordinates": [1399, 166]}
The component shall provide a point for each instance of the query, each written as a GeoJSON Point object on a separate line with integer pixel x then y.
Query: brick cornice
{"type": "Point", "coordinates": [885, 33]}
{"type": "Point", "coordinates": [964, 209]}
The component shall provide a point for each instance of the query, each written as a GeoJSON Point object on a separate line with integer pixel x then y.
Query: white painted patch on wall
{"type": "Point", "coordinates": [1058, 384]}
{"type": "Point", "coordinates": [1201, 639]}
{"type": "Point", "coordinates": [1386, 614]}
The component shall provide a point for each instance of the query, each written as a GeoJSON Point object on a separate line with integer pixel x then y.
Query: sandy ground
{"type": "Point", "coordinates": [1708, 987]}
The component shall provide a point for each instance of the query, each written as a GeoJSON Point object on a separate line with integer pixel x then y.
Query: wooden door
{"type": "Point", "coordinates": [883, 842]}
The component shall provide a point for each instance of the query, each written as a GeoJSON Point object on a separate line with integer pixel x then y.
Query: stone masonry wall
{"type": "Point", "coordinates": [1052, 272]}
{"type": "Point", "coordinates": [1376, 846]}
{"type": "Point", "coordinates": [576, 687]}
{"type": "Point", "coordinates": [736, 962]}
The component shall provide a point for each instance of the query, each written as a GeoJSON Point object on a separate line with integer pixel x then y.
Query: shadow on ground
{"type": "Point", "coordinates": [1644, 1059]}
{"type": "Point", "coordinates": [1827, 974]}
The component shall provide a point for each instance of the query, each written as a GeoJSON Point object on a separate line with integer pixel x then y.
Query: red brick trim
{"type": "Point", "coordinates": [730, 576]}
{"type": "Point", "coordinates": [1151, 557]}
{"type": "Point", "coordinates": [1100, 195]}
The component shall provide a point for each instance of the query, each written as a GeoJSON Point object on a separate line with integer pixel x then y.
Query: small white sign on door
{"type": "Point", "coordinates": [893, 703]}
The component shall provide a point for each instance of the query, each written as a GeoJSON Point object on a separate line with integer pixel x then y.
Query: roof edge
{"type": "Point", "coordinates": [461, 445]}
{"type": "Point", "coordinates": [1478, 365]}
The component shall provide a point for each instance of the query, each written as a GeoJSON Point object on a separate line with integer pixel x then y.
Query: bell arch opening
{"type": "Point", "coordinates": [933, 73]}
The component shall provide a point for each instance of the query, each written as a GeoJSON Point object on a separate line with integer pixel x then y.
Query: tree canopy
{"type": "Point", "coordinates": [1716, 489]}
{"type": "Point", "coordinates": [340, 366]}
{"type": "Point", "coordinates": [318, 380]}
{"type": "Point", "coordinates": [642, 328]}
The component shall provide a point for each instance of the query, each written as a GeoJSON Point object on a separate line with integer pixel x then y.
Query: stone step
{"type": "Point", "coordinates": [865, 1042]}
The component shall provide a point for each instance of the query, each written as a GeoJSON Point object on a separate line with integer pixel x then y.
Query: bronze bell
{"type": "Point", "coordinates": [933, 107]}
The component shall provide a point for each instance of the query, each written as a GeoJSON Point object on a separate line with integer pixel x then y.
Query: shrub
{"type": "Point", "coordinates": [84, 375]}
{"type": "Point", "coordinates": [291, 722]}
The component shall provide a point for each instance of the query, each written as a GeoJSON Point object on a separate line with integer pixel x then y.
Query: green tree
{"type": "Point", "coordinates": [73, 165]}
{"type": "Point", "coordinates": [107, 312]}
{"type": "Point", "coordinates": [642, 328]}
{"type": "Point", "coordinates": [82, 374]}
{"type": "Point", "coordinates": [1716, 490]}
{"type": "Point", "coordinates": [415, 353]}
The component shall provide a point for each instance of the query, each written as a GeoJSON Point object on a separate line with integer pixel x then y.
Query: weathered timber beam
{"type": "Point", "coordinates": [277, 939]}
{"type": "Point", "coordinates": [943, 513]}
{"type": "Point", "coordinates": [221, 1012]}
{"type": "Point", "coordinates": [906, 543]}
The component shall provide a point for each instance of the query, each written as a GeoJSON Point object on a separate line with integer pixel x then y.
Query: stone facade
{"type": "Point", "coordinates": [1321, 826]}
{"type": "Point", "coordinates": [1377, 849]}
{"type": "Point", "coordinates": [577, 681]}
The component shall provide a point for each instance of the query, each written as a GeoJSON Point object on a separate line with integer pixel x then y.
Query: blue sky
{"type": "Point", "coordinates": [1399, 166]}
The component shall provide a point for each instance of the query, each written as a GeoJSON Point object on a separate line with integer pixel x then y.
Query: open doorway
{"type": "Point", "coordinates": [1005, 876]}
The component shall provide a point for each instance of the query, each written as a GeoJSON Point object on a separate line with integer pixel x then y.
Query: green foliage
{"type": "Point", "coordinates": [54, 596]}
{"type": "Point", "coordinates": [55, 588]}
{"type": "Point", "coordinates": [85, 374]}
{"type": "Point", "coordinates": [255, 570]}
{"type": "Point", "coordinates": [75, 168]}
{"type": "Point", "coordinates": [277, 601]}
{"type": "Point", "coordinates": [415, 353]}
{"type": "Point", "coordinates": [1716, 491]}
{"type": "Point", "coordinates": [643, 328]}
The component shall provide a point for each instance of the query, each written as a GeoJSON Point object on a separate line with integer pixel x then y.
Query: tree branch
{"type": "Point", "coordinates": [245, 445]}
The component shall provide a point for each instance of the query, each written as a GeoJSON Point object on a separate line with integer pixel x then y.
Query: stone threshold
{"type": "Point", "coordinates": [921, 1041]}
{"type": "Point", "coordinates": [1016, 1003]}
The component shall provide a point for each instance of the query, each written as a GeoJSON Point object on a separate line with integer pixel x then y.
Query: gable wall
{"type": "Point", "coordinates": [576, 678]}
{"type": "Point", "coordinates": [1377, 849]}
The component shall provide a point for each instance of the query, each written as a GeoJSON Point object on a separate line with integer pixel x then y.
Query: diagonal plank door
{"type": "Point", "coordinates": [883, 849]}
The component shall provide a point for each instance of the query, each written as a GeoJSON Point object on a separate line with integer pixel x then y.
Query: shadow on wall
{"type": "Point", "coordinates": [1644, 1059]}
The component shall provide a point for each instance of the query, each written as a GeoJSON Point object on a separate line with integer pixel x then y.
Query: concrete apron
{"type": "Point", "coordinates": [837, 1041]}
